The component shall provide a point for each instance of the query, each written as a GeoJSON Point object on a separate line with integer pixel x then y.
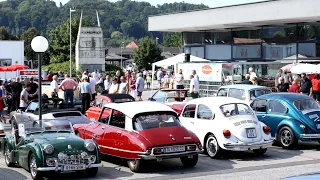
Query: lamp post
{"type": "Point", "coordinates": [122, 44]}
{"type": "Point", "coordinates": [39, 44]}
{"type": "Point", "coordinates": [71, 11]}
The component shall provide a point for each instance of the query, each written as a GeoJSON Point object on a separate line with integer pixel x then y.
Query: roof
{"type": "Point", "coordinates": [113, 97]}
{"type": "Point", "coordinates": [218, 99]}
{"type": "Point", "coordinates": [244, 86]}
{"type": "Point", "coordinates": [132, 44]}
{"type": "Point", "coordinates": [113, 56]}
{"type": "Point", "coordinates": [131, 109]}
{"type": "Point", "coordinates": [288, 96]}
{"type": "Point", "coordinates": [125, 51]}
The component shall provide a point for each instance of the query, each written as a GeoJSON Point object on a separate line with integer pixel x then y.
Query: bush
{"type": "Point", "coordinates": [64, 67]}
{"type": "Point", "coordinates": [112, 69]}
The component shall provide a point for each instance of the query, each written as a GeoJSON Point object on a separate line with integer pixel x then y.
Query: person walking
{"type": "Point", "coordinates": [54, 91]}
{"type": "Point", "coordinates": [282, 87]}
{"type": "Point", "coordinates": [194, 87]}
{"type": "Point", "coordinates": [294, 88]}
{"type": "Point", "coordinates": [132, 85]}
{"type": "Point", "coordinates": [114, 86]}
{"type": "Point", "coordinates": [24, 101]}
{"type": "Point", "coordinates": [140, 86]}
{"type": "Point", "coordinates": [179, 80]}
{"type": "Point", "coordinates": [68, 85]}
{"type": "Point", "coordinates": [16, 88]}
{"type": "Point", "coordinates": [148, 80]}
{"type": "Point", "coordinates": [34, 89]}
{"type": "Point", "coordinates": [316, 87]}
{"type": "Point", "coordinates": [86, 94]}
{"type": "Point", "coordinates": [123, 86]}
{"type": "Point", "coordinates": [93, 84]}
{"type": "Point", "coordinates": [305, 85]}
{"type": "Point", "coordinates": [107, 83]}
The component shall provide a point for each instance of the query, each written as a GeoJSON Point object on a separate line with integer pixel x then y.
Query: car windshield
{"type": "Point", "coordinates": [43, 126]}
{"type": "Point", "coordinates": [237, 93]}
{"type": "Point", "coordinates": [306, 104]}
{"type": "Point", "coordinates": [258, 92]}
{"type": "Point", "coordinates": [235, 109]}
{"type": "Point", "coordinates": [155, 120]}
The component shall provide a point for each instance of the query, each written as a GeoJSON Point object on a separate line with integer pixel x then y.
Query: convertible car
{"type": "Point", "coordinates": [291, 116]}
{"type": "Point", "coordinates": [101, 100]}
{"type": "Point", "coordinates": [142, 131]}
{"type": "Point", "coordinates": [44, 148]}
{"type": "Point", "coordinates": [169, 95]}
{"type": "Point", "coordinates": [226, 124]}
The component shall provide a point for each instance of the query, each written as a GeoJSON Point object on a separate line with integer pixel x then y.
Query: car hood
{"type": "Point", "coordinates": [60, 141]}
{"type": "Point", "coordinates": [312, 118]}
{"type": "Point", "coordinates": [167, 136]}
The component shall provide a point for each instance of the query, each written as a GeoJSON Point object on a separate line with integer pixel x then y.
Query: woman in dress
{"type": "Point", "coordinates": [114, 88]}
{"type": "Point", "coordinates": [123, 86]}
{"type": "Point", "coordinates": [132, 85]}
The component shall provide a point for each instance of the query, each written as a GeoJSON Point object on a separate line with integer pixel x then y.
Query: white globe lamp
{"type": "Point", "coordinates": [39, 44]}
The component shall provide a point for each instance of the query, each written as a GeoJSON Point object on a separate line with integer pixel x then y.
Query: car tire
{"type": "Point", "coordinates": [135, 165]}
{"type": "Point", "coordinates": [286, 138]}
{"type": "Point", "coordinates": [260, 152]}
{"type": "Point", "coordinates": [92, 172]}
{"type": "Point", "coordinates": [189, 162]}
{"type": "Point", "coordinates": [212, 148]}
{"type": "Point", "coordinates": [7, 157]}
{"type": "Point", "coordinates": [35, 175]}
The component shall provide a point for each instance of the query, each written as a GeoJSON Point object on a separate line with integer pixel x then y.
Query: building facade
{"type": "Point", "coordinates": [11, 52]}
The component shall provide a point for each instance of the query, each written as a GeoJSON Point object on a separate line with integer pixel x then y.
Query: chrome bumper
{"type": "Point", "coordinates": [59, 168]}
{"type": "Point", "coordinates": [310, 136]}
{"type": "Point", "coordinates": [168, 156]}
{"type": "Point", "coordinates": [249, 146]}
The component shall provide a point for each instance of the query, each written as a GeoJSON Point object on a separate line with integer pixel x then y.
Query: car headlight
{"type": "Point", "coordinates": [90, 146]}
{"type": "Point", "coordinates": [48, 149]}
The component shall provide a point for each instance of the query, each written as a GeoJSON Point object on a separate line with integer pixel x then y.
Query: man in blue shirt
{"type": "Point", "coordinates": [86, 94]}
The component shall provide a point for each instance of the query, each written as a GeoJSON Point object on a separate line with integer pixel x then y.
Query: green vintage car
{"type": "Point", "coordinates": [49, 147]}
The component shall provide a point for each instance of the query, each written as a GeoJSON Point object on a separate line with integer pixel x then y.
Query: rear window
{"type": "Point", "coordinates": [63, 114]}
{"type": "Point", "coordinates": [306, 104]}
{"type": "Point", "coordinates": [155, 120]}
{"type": "Point", "coordinates": [237, 93]}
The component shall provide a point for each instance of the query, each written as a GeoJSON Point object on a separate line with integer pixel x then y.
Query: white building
{"type": "Point", "coordinates": [11, 52]}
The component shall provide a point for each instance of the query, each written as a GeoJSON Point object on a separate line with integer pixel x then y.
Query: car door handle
{"type": "Point", "coordinates": [103, 127]}
{"type": "Point", "coordinates": [263, 116]}
{"type": "Point", "coordinates": [118, 132]}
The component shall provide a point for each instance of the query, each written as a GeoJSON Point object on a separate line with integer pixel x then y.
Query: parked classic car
{"type": "Point", "coordinates": [244, 92]}
{"type": "Point", "coordinates": [101, 100]}
{"type": "Point", "coordinates": [50, 148]}
{"type": "Point", "coordinates": [169, 95]}
{"type": "Point", "coordinates": [226, 124]}
{"type": "Point", "coordinates": [141, 131]}
{"type": "Point", "coordinates": [291, 116]}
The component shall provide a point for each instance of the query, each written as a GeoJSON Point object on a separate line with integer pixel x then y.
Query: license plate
{"type": "Point", "coordinates": [73, 167]}
{"type": "Point", "coordinates": [251, 133]}
{"type": "Point", "coordinates": [318, 126]}
{"type": "Point", "coordinates": [174, 149]}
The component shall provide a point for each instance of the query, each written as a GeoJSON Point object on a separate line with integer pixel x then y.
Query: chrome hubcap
{"type": "Point", "coordinates": [7, 155]}
{"type": "Point", "coordinates": [212, 146]}
{"type": "Point", "coordinates": [33, 166]}
{"type": "Point", "coordinates": [286, 137]}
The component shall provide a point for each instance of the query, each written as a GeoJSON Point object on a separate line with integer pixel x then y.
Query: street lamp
{"type": "Point", "coordinates": [39, 44]}
{"type": "Point", "coordinates": [71, 11]}
{"type": "Point", "coordinates": [122, 44]}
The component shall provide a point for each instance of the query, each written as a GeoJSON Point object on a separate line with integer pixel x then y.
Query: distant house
{"type": "Point", "coordinates": [132, 45]}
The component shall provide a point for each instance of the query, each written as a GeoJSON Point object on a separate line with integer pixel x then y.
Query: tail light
{"type": "Point", "coordinates": [266, 129]}
{"type": "Point", "coordinates": [191, 148]}
{"type": "Point", "coordinates": [226, 133]}
{"type": "Point", "coordinates": [158, 150]}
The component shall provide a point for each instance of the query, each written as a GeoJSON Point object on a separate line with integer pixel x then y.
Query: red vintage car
{"type": "Point", "coordinates": [101, 100]}
{"type": "Point", "coordinates": [142, 131]}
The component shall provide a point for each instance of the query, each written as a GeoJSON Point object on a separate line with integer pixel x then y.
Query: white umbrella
{"type": "Point", "coordinates": [305, 68]}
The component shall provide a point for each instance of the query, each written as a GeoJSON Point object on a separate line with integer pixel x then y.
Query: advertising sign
{"type": "Point", "coordinates": [211, 72]}
{"type": "Point", "coordinates": [30, 73]}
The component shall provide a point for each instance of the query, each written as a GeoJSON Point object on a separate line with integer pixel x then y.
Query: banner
{"type": "Point", "coordinates": [211, 72]}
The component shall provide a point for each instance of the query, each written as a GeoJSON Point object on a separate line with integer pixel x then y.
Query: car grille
{"type": "Point", "coordinates": [73, 159]}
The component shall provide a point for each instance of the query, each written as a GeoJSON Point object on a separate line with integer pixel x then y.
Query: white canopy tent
{"type": "Point", "coordinates": [174, 61]}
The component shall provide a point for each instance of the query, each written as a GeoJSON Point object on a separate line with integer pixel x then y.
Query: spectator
{"type": "Point", "coordinates": [282, 87]}
{"type": "Point", "coordinates": [179, 80]}
{"type": "Point", "coordinates": [166, 81]}
{"type": "Point", "coordinates": [95, 75]}
{"type": "Point", "coordinates": [140, 86]}
{"type": "Point", "coordinates": [159, 77]}
{"type": "Point", "coordinates": [132, 85]}
{"type": "Point", "coordinates": [306, 85]}
{"type": "Point", "coordinates": [316, 87]}
{"type": "Point", "coordinates": [128, 75]}
{"type": "Point", "coordinates": [194, 87]}
{"type": "Point", "coordinates": [50, 76]}
{"type": "Point", "coordinates": [107, 85]}
{"type": "Point", "coordinates": [145, 72]}
{"type": "Point", "coordinates": [255, 81]}
{"type": "Point", "coordinates": [118, 76]}
{"type": "Point", "coordinates": [24, 96]}
{"type": "Point", "coordinates": [8, 90]}
{"type": "Point", "coordinates": [34, 89]}
{"type": "Point", "coordinates": [172, 81]}
{"type": "Point", "coordinates": [114, 86]}
{"type": "Point", "coordinates": [60, 74]}
{"type": "Point", "coordinates": [2, 98]}
{"type": "Point", "coordinates": [252, 74]}
{"type": "Point", "coordinates": [288, 78]}
{"type": "Point", "coordinates": [93, 84]}
{"type": "Point", "coordinates": [16, 88]}
{"type": "Point", "coordinates": [85, 90]}
{"type": "Point", "coordinates": [68, 85]}
{"type": "Point", "coordinates": [294, 88]}
{"type": "Point", "coordinates": [148, 79]}
{"type": "Point", "coordinates": [100, 83]}
{"type": "Point", "coordinates": [123, 86]}
{"type": "Point", "coordinates": [195, 75]}
{"type": "Point", "coordinates": [54, 91]}
{"type": "Point", "coordinates": [278, 75]}
{"type": "Point", "coordinates": [247, 80]}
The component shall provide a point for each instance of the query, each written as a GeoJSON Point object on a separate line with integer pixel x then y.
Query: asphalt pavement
{"type": "Point", "coordinates": [277, 163]}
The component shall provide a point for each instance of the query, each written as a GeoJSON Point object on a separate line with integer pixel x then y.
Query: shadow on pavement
{"type": "Point", "coordinates": [12, 174]}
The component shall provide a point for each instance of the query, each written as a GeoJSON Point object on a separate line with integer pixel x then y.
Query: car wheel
{"type": "Point", "coordinates": [35, 174]}
{"type": "Point", "coordinates": [92, 172]}
{"type": "Point", "coordinates": [7, 156]}
{"type": "Point", "coordinates": [212, 148]}
{"type": "Point", "coordinates": [189, 162]}
{"type": "Point", "coordinates": [259, 152]}
{"type": "Point", "coordinates": [287, 138]}
{"type": "Point", "coordinates": [135, 165]}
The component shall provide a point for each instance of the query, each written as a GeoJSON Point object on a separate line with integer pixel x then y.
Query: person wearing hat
{"type": "Point", "coordinates": [86, 94]}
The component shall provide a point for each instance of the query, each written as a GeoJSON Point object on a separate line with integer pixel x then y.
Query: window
{"type": "Point", "coordinates": [258, 92]}
{"type": "Point", "coordinates": [306, 104]}
{"type": "Point", "coordinates": [160, 96]}
{"type": "Point", "coordinates": [222, 92]}
{"type": "Point", "coordinates": [105, 115]}
{"type": "Point", "coordinates": [152, 120]}
{"type": "Point", "coordinates": [189, 111]}
{"type": "Point", "coordinates": [117, 119]}
{"type": "Point", "coordinates": [237, 93]}
{"type": "Point", "coordinates": [204, 112]}
{"type": "Point", "coordinates": [259, 106]}
{"type": "Point", "coordinates": [235, 109]}
{"type": "Point", "coordinates": [277, 107]}
{"type": "Point", "coordinates": [33, 106]}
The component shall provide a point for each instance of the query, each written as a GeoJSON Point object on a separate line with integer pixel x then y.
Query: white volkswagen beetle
{"type": "Point", "coordinates": [224, 123]}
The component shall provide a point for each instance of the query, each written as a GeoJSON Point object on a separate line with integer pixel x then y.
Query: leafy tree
{"type": "Point", "coordinates": [27, 37]}
{"type": "Point", "coordinates": [64, 67]}
{"type": "Point", "coordinates": [172, 40]}
{"type": "Point", "coordinates": [147, 54]}
{"type": "Point", "coordinates": [278, 34]}
{"type": "Point", "coordinates": [4, 34]}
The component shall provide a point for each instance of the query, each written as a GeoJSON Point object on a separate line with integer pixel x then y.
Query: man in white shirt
{"type": "Point", "coordinates": [107, 85]}
{"type": "Point", "coordinates": [24, 97]}
{"type": "Point", "coordinates": [93, 84]}
{"type": "Point", "coordinates": [54, 90]}
{"type": "Point", "coordinates": [179, 80]}
{"type": "Point", "coordinates": [195, 75]}
{"type": "Point", "coordinates": [159, 77]}
{"type": "Point", "coordinates": [140, 86]}
{"type": "Point", "coordinates": [145, 74]}
{"type": "Point", "coordinates": [252, 74]}
{"type": "Point", "coordinates": [194, 87]}
{"type": "Point", "coordinates": [95, 75]}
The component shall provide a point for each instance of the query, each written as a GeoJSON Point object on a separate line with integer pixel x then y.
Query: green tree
{"type": "Point", "coordinates": [4, 34]}
{"type": "Point", "coordinates": [147, 54]}
{"type": "Point", "coordinates": [172, 40]}
{"type": "Point", "coordinates": [27, 37]}
{"type": "Point", "coordinates": [278, 34]}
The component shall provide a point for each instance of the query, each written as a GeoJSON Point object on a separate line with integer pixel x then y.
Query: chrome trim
{"type": "Point", "coordinates": [59, 168]}
{"type": "Point", "coordinates": [250, 145]}
{"type": "Point", "coordinates": [128, 151]}
{"type": "Point", "coordinates": [310, 136]}
{"type": "Point", "coordinates": [167, 156]}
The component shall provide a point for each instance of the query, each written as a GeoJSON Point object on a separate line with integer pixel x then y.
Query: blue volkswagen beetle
{"type": "Point", "coordinates": [290, 116]}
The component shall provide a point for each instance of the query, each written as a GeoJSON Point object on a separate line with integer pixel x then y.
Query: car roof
{"type": "Point", "coordinates": [215, 101]}
{"type": "Point", "coordinates": [287, 96]}
{"type": "Point", "coordinates": [244, 86]}
{"type": "Point", "coordinates": [131, 109]}
{"type": "Point", "coordinates": [112, 97]}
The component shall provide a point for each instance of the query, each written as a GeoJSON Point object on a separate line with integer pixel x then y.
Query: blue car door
{"type": "Point", "coordinates": [276, 112]}
{"type": "Point", "coordinates": [260, 108]}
